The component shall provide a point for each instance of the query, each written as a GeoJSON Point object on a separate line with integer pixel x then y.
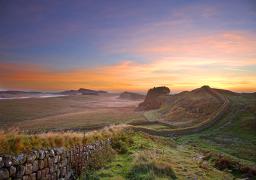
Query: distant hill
{"type": "Point", "coordinates": [12, 94]}
{"type": "Point", "coordinates": [30, 94]}
{"type": "Point", "coordinates": [131, 96]}
{"type": "Point", "coordinates": [82, 91]}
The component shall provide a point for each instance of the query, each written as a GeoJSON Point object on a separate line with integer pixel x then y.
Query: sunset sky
{"type": "Point", "coordinates": [127, 45]}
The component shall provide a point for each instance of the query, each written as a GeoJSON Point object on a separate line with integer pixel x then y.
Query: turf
{"type": "Point", "coordinates": [158, 158]}
{"type": "Point", "coordinates": [235, 134]}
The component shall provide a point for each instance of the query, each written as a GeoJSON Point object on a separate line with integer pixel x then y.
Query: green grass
{"type": "Point", "coordinates": [152, 158]}
{"type": "Point", "coordinates": [234, 135]}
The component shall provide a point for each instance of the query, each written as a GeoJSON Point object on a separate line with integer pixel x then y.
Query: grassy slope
{"type": "Point", "coordinates": [235, 134]}
{"type": "Point", "coordinates": [187, 108]}
{"type": "Point", "coordinates": [158, 158]}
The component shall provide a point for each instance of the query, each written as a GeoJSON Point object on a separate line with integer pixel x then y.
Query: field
{"type": "Point", "coordinates": [69, 112]}
{"type": "Point", "coordinates": [235, 134]}
{"type": "Point", "coordinates": [224, 150]}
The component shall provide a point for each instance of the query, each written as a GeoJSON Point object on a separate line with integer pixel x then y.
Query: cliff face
{"type": "Point", "coordinates": [154, 98]}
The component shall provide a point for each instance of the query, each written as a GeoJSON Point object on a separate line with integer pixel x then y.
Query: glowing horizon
{"type": "Point", "coordinates": [133, 46]}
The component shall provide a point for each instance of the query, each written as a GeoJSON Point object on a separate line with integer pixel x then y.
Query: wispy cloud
{"type": "Point", "coordinates": [129, 75]}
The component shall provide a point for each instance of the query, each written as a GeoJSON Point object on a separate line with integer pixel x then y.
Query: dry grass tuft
{"type": "Point", "coordinates": [14, 142]}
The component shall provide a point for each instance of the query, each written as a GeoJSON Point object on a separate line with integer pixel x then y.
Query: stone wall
{"type": "Point", "coordinates": [50, 164]}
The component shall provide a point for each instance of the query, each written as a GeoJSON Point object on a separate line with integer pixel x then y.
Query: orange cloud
{"type": "Point", "coordinates": [177, 74]}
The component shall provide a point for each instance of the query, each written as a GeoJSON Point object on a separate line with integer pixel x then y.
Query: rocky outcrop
{"type": "Point", "coordinates": [131, 96]}
{"type": "Point", "coordinates": [154, 98]}
{"type": "Point", "coordinates": [56, 163]}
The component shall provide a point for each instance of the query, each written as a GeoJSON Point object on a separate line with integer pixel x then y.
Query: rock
{"type": "Point", "coordinates": [1, 162]}
{"type": "Point", "coordinates": [36, 153]}
{"type": "Point", "coordinates": [51, 153]}
{"type": "Point", "coordinates": [25, 178]}
{"type": "Point", "coordinates": [50, 162]}
{"type": "Point", "coordinates": [43, 173]}
{"type": "Point", "coordinates": [20, 171]}
{"type": "Point", "coordinates": [12, 171]}
{"type": "Point", "coordinates": [32, 176]}
{"type": "Point", "coordinates": [8, 161]}
{"type": "Point", "coordinates": [35, 166]}
{"type": "Point", "coordinates": [41, 154]}
{"type": "Point", "coordinates": [31, 157]}
{"type": "Point", "coordinates": [63, 172]}
{"type": "Point", "coordinates": [28, 169]}
{"type": "Point", "coordinates": [56, 159]}
{"type": "Point", "coordinates": [21, 159]}
{"type": "Point", "coordinates": [4, 174]}
{"type": "Point", "coordinates": [41, 164]}
{"type": "Point", "coordinates": [45, 162]}
{"type": "Point", "coordinates": [154, 98]}
{"type": "Point", "coordinates": [47, 171]}
{"type": "Point", "coordinates": [38, 174]}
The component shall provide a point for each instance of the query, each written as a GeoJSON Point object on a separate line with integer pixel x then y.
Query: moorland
{"type": "Point", "coordinates": [205, 133]}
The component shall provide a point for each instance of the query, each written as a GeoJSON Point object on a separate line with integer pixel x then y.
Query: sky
{"type": "Point", "coordinates": [127, 45]}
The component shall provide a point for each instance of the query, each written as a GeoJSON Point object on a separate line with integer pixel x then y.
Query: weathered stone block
{"type": "Point", "coordinates": [51, 153]}
{"type": "Point", "coordinates": [41, 164]}
{"type": "Point", "coordinates": [31, 157]}
{"type": "Point", "coordinates": [41, 154]}
{"type": "Point", "coordinates": [54, 176]}
{"type": "Point", "coordinates": [21, 159]}
{"type": "Point", "coordinates": [7, 161]}
{"type": "Point", "coordinates": [36, 153]}
{"type": "Point", "coordinates": [50, 162]}
{"type": "Point", "coordinates": [51, 169]}
{"type": "Point", "coordinates": [1, 162]}
{"type": "Point", "coordinates": [20, 171]}
{"type": "Point", "coordinates": [35, 166]}
{"type": "Point", "coordinates": [39, 174]}
{"type": "Point", "coordinates": [28, 169]}
{"type": "Point", "coordinates": [12, 171]}
{"type": "Point", "coordinates": [47, 170]}
{"type": "Point", "coordinates": [45, 162]}
{"type": "Point", "coordinates": [25, 177]}
{"type": "Point", "coordinates": [4, 174]}
{"type": "Point", "coordinates": [63, 172]}
{"type": "Point", "coordinates": [32, 176]}
{"type": "Point", "coordinates": [43, 173]}
{"type": "Point", "coordinates": [58, 173]}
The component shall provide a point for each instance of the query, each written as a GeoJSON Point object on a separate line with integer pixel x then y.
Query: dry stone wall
{"type": "Point", "coordinates": [50, 164]}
